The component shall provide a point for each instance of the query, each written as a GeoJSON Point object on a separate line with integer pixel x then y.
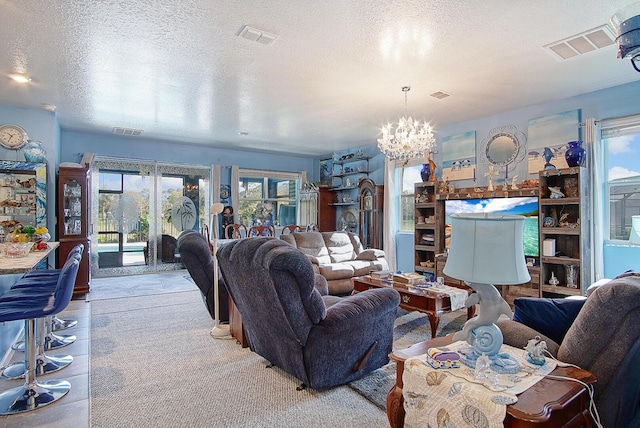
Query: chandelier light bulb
{"type": "Point", "coordinates": [411, 139]}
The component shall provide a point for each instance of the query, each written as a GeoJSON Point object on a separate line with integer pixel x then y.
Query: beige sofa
{"type": "Point", "coordinates": [338, 256]}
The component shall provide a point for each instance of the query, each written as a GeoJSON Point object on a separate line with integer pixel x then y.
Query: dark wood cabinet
{"type": "Point", "coordinates": [73, 221]}
{"type": "Point", "coordinates": [326, 211]}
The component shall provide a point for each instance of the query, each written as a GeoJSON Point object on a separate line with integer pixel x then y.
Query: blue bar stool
{"type": "Point", "coordinates": [45, 280]}
{"type": "Point", "coordinates": [56, 323]}
{"type": "Point", "coordinates": [33, 393]}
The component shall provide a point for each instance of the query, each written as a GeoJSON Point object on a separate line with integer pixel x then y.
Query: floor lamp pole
{"type": "Point", "coordinates": [219, 331]}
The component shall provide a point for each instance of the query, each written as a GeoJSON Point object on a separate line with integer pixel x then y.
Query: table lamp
{"type": "Point", "coordinates": [485, 250]}
{"type": "Point", "coordinates": [219, 331]}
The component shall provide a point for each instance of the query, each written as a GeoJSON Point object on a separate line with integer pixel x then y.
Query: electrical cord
{"type": "Point", "coordinates": [593, 411]}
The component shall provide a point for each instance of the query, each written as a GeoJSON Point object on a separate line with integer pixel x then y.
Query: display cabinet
{"type": "Point", "coordinates": [429, 230]}
{"type": "Point", "coordinates": [23, 189]}
{"type": "Point", "coordinates": [371, 202]}
{"type": "Point", "coordinates": [73, 221]}
{"type": "Point", "coordinates": [565, 267]}
{"type": "Point", "coordinates": [347, 172]}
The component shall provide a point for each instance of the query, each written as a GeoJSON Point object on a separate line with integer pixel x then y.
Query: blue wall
{"type": "Point", "coordinates": [74, 144]}
{"type": "Point", "coordinates": [618, 101]}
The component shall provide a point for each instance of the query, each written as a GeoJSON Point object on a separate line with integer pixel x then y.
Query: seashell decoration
{"type": "Point", "coordinates": [435, 378]}
{"type": "Point", "coordinates": [455, 389]}
{"type": "Point", "coordinates": [443, 419]}
{"type": "Point", "coordinates": [474, 417]}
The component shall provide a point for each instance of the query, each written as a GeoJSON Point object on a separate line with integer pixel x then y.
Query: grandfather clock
{"type": "Point", "coordinates": [371, 200]}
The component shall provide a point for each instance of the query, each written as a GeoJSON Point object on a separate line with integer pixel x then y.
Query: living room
{"type": "Point", "coordinates": [615, 94]}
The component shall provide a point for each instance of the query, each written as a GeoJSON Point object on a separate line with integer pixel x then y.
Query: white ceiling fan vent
{"type": "Point", "coordinates": [257, 35]}
{"type": "Point", "coordinates": [128, 132]}
{"type": "Point", "coordinates": [439, 95]}
{"type": "Point", "coordinates": [579, 44]}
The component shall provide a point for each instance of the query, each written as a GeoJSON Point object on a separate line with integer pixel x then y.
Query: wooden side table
{"type": "Point", "coordinates": [549, 403]}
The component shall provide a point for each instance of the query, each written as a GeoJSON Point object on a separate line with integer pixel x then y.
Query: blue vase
{"type": "Point", "coordinates": [575, 154]}
{"type": "Point", "coordinates": [33, 152]}
{"type": "Point", "coordinates": [425, 172]}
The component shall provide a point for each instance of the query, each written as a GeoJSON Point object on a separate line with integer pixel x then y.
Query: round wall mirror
{"type": "Point", "coordinates": [502, 149]}
{"type": "Point", "coordinates": [504, 146]}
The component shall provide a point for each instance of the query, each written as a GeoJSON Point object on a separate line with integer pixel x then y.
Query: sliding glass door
{"type": "Point", "coordinates": [139, 209]}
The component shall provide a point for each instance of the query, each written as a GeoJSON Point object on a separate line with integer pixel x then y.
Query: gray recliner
{"type": "Point", "coordinates": [196, 257]}
{"type": "Point", "coordinates": [324, 341]}
{"type": "Point", "coordinates": [604, 339]}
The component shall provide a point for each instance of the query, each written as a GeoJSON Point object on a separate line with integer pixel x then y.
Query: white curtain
{"type": "Point", "coordinates": [595, 164]}
{"type": "Point", "coordinates": [390, 212]}
{"type": "Point", "coordinates": [235, 191]}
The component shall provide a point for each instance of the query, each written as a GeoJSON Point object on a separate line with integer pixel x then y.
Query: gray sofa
{"type": "Point", "coordinates": [338, 256]}
{"type": "Point", "coordinates": [604, 339]}
{"type": "Point", "coordinates": [324, 341]}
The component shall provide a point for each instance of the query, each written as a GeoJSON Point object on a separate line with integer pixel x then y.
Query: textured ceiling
{"type": "Point", "coordinates": [178, 71]}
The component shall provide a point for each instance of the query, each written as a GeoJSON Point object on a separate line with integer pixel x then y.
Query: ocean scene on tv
{"type": "Point", "coordinates": [524, 206]}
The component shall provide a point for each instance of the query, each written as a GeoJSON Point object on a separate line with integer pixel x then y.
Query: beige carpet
{"type": "Point", "coordinates": [153, 364]}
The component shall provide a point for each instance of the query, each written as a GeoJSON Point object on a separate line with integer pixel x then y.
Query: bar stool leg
{"type": "Point", "coordinates": [57, 324]}
{"type": "Point", "coordinates": [51, 341]}
{"type": "Point", "coordinates": [32, 394]}
{"type": "Point", "coordinates": [44, 363]}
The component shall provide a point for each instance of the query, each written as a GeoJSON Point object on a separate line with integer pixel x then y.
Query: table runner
{"type": "Point", "coordinates": [452, 397]}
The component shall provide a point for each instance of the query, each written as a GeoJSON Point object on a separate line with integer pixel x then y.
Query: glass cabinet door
{"type": "Point", "coordinates": [72, 208]}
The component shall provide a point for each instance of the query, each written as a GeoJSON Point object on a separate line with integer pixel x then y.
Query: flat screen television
{"type": "Point", "coordinates": [526, 206]}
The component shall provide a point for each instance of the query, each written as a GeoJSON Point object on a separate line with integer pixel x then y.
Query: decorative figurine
{"type": "Point", "coordinates": [548, 154]}
{"type": "Point", "coordinates": [556, 193]}
{"type": "Point", "coordinates": [491, 173]}
{"type": "Point", "coordinates": [535, 351]}
{"type": "Point", "coordinates": [514, 182]}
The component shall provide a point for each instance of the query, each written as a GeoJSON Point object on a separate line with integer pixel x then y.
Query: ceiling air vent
{"type": "Point", "coordinates": [582, 43]}
{"type": "Point", "coordinates": [257, 35]}
{"type": "Point", "coordinates": [439, 95]}
{"type": "Point", "coordinates": [127, 131]}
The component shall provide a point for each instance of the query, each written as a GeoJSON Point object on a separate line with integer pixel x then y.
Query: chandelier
{"type": "Point", "coordinates": [411, 139]}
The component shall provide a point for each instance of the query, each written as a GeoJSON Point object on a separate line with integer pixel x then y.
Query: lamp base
{"type": "Point", "coordinates": [487, 340]}
{"type": "Point", "coordinates": [221, 332]}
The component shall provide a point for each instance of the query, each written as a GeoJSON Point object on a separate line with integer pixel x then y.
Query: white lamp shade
{"type": "Point", "coordinates": [487, 249]}
{"type": "Point", "coordinates": [634, 238]}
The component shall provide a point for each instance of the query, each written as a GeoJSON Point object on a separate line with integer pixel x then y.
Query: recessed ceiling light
{"type": "Point", "coordinates": [243, 133]}
{"type": "Point", "coordinates": [20, 78]}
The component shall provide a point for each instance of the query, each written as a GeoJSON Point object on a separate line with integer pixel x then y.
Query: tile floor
{"type": "Point", "coordinates": [72, 410]}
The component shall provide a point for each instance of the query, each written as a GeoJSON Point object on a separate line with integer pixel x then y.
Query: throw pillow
{"type": "Point", "coordinates": [551, 317]}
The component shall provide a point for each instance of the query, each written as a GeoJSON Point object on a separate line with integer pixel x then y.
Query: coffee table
{"type": "Point", "coordinates": [413, 299]}
{"type": "Point", "coordinates": [548, 403]}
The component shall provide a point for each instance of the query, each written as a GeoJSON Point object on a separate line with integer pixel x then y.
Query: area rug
{"type": "Point", "coordinates": [409, 328]}
{"type": "Point", "coordinates": [154, 364]}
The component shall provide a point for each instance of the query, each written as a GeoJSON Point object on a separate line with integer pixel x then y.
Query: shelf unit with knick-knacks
{"type": "Point", "coordinates": [565, 267]}
{"type": "Point", "coordinates": [428, 233]}
{"type": "Point", "coordinates": [347, 171]}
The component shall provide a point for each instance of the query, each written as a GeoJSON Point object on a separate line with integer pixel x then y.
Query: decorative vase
{"type": "Point", "coordinates": [575, 154]}
{"type": "Point", "coordinates": [33, 152]}
{"type": "Point", "coordinates": [425, 172]}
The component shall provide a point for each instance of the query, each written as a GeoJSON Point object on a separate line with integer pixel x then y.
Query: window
{"type": "Point", "coordinates": [267, 197]}
{"type": "Point", "coordinates": [621, 143]}
{"type": "Point", "coordinates": [410, 176]}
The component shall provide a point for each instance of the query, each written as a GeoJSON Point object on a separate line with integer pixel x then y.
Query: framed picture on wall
{"type": "Point", "coordinates": [459, 156]}
{"type": "Point", "coordinates": [326, 172]}
{"type": "Point", "coordinates": [553, 131]}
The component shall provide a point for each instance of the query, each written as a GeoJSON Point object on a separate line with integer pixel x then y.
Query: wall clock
{"type": "Point", "coordinates": [13, 137]}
